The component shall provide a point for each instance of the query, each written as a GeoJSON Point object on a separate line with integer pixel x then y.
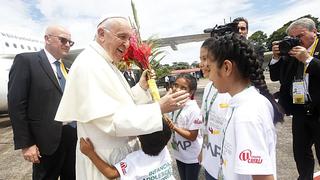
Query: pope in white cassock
{"type": "Point", "coordinates": [99, 98]}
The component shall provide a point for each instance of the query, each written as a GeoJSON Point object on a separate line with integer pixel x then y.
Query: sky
{"type": "Point", "coordinates": [160, 18]}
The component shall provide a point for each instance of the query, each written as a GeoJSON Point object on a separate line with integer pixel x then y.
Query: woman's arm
{"type": "Point", "coordinates": [262, 177]}
{"type": "Point", "coordinates": [86, 147]}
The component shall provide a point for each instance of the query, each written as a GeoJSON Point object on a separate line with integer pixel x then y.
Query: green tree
{"type": "Point", "coordinates": [180, 65]}
{"type": "Point", "coordinates": [259, 37]}
{"type": "Point", "coordinates": [195, 64]}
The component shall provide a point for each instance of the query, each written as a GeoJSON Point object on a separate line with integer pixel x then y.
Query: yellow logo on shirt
{"type": "Point", "coordinates": [224, 105]}
{"type": "Point", "coordinates": [214, 131]}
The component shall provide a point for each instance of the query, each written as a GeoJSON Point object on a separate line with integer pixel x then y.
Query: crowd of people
{"type": "Point", "coordinates": [91, 121]}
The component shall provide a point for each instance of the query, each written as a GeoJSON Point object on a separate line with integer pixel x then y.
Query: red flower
{"type": "Point", "coordinates": [138, 53]}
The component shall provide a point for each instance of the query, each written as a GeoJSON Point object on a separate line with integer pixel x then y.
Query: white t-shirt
{"type": "Point", "coordinates": [211, 149]}
{"type": "Point", "coordinates": [189, 118]}
{"type": "Point", "coordinates": [249, 146]}
{"type": "Point", "coordinates": [138, 165]}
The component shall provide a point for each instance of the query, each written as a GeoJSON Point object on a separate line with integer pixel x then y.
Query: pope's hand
{"type": "Point", "coordinates": [144, 78]}
{"type": "Point", "coordinates": [173, 101]}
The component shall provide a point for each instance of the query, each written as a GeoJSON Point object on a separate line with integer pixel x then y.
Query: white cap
{"type": "Point", "coordinates": [109, 16]}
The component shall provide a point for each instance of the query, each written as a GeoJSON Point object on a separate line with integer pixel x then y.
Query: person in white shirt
{"type": "Point", "coordinates": [186, 140]}
{"type": "Point", "coordinates": [213, 110]}
{"type": "Point", "coordinates": [152, 162]}
{"type": "Point", "coordinates": [106, 109]}
{"type": "Point", "coordinates": [248, 147]}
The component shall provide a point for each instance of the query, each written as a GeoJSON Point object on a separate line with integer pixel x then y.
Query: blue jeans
{"type": "Point", "coordinates": [208, 176]}
{"type": "Point", "coordinates": [188, 171]}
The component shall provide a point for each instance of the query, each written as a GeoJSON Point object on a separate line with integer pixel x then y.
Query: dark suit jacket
{"type": "Point", "coordinates": [286, 70]}
{"type": "Point", "coordinates": [129, 79]}
{"type": "Point", "coordinates": [33, 98]}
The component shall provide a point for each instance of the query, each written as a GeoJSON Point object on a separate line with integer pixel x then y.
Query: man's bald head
{"type": "Point", "coordinates": [58, 41]}
{"type": "Point", "coordinates": [56, 29]}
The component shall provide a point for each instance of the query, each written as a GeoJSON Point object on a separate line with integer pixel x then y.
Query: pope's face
{"type": "Point", "coordinates": [118, 39]}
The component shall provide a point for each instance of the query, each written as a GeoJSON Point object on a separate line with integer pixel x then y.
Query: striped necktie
{"type": "Point", "coordinates": [61, 78]}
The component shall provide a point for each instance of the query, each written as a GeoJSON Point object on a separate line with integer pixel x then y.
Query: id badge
{"type": "Point", "coordinates": [298, 92]}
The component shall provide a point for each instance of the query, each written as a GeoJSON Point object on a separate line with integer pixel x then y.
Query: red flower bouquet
{"type": "Point", "coordinates": [141, 53]}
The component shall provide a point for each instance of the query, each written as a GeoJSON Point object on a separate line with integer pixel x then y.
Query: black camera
{"type": "Point", "coordinates": [222, 29]}
{"type": "Point", "coordinates": [287, 44]}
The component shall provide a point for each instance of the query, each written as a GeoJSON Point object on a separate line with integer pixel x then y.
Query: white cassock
{"type": "Point", "coordinates": [107, 111]}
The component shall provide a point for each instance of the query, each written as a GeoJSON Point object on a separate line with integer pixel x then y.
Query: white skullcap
{"type": "Point", "coordinates": [110, 16]}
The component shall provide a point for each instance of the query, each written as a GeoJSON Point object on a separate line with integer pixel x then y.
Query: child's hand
{"type": "Point", "coordinates": [171, 124]}
{"type": "Point", "coordinates": [86, 146]}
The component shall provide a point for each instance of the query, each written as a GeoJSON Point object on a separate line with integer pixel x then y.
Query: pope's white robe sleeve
{"type": "Point", "coordinates": [132, 121]}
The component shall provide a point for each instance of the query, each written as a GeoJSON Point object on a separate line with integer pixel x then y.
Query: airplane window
{"type": "Point", "coordinates": [22, 47]}
{"type": "Point", "coordinates": [29, 48]}
{"type": "Point", "coordinates": [7, 44]}
{"type": "Point", "coordinates": [14, 45]}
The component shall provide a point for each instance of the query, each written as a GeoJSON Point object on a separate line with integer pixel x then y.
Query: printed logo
{"type": "Point", "coordinates": [246, 155]}
{"type": "Point", "coordinates": [197, 121]}
{"type": "Point", "coordinates": [123, 166]}
{"type": "Point", "coordinates": [214, 131]}
{"type": "Point", "coordinates": [224, 105]}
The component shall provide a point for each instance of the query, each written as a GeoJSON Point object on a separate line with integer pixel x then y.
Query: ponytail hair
{"type": "Point", "coordinates": [233, 47]}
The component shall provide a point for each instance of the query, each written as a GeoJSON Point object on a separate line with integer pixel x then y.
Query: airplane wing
{"type": "Point", "coordinates": [173, 41]}
{"type": "Point", "coordinates": [163, 42]}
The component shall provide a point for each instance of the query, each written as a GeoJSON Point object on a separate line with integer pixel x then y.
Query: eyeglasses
{"type": "Point", "coordinates": [123, 36]}
{"type": "Point", "coordinates": [63, 40]}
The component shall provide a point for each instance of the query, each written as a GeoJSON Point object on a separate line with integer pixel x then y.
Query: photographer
{"type": "Point", "coordinates": [298, 72]}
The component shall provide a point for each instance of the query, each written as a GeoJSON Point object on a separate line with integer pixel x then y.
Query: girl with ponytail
{"type": "Point", "coordinates": [248, 146]}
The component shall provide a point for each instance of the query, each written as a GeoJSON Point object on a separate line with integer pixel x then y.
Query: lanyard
{"type": "Point", "coordinates": [206, 109]}
{"type": "Point", "coordinates": [224, 137]}
{"type": "Point", "coordinates": [175, 119]}
{"type": "Point", "coordinates": [313, 48]}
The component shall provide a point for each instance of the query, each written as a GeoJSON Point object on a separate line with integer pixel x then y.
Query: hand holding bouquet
{"type": "Point", "coordinates": [139, 53]}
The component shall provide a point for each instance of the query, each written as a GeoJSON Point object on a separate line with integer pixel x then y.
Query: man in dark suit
{"type": "Point", "coordinates": [130, 76]}
{"type": "Point", "coordinates": [298, 73]}
{"type": "Point", "coordinates": [36, 84]}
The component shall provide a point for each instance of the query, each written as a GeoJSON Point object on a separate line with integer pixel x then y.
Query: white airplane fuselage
{"type": "Point", "coordinates": [11, 45]}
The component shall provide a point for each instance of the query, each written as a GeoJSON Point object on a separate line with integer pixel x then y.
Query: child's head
{"type": "Point", "coordinates": [231, 59]}
{"type": "Point", "coordinates": [186, 82]}
{"type": "Point", "coordinates": [203, 57]}
{"type": "Point", "coordinates": [152, 144]}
